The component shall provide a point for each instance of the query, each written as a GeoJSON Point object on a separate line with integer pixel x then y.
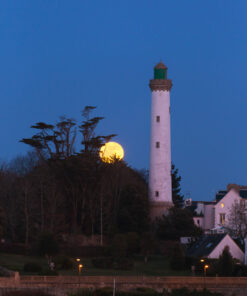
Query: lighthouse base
{"type": "Point", "coordinates": [159, 208]}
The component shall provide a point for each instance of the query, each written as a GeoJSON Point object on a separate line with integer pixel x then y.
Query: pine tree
{"type": "Point", "coordinates": [177, 197]}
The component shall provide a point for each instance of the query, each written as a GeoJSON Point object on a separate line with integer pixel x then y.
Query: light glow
{"type": "Point", "coordinates": [111, 151]}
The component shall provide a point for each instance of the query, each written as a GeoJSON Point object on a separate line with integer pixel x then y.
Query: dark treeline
{"type": "Point", "coordinates": [60, 189]}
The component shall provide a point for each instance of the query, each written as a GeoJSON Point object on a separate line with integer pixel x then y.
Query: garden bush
{"type": "Point", "coordinates": [63, 262]}
{"type": "Point", "coordinates": [32, 267]}
{"type": "Point", "coordinates": [48, 272]}
{"type": "Point", "coordinates": [82, 292]}
{"type": "Point", "coordinates": [123, 264]}
{"type": "Point", "coordinates": [107, 291]}
{"type": "Point", "coordinates": [102, 262]}
{"type": "Point", "coordinates": [177, 261]}
{"type": "Point", "coordinates": [26, 292]}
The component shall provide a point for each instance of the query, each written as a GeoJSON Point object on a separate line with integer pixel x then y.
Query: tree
{"type": "Point", "coordinates": [237, 220]}
{"type": "Point", "coordinates": [178, 223]}
{"type": "Point", "coordinates": [148, 245]}
{"type": "Point", "coordinates": [177, 198]}
{"type": "Point", "coordinates": [47, 245]}
{"type": "Point", "coordinates": [177, 260]}
{"type": "Point", "coordinates": [133, 213]}
{"type": "Point", "coordinates": [225, 263]}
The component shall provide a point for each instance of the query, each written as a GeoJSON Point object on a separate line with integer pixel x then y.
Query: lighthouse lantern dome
{"type": "Point", "coordinates": [160, 71]}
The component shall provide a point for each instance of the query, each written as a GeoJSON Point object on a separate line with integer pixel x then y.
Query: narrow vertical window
{"type": "Point", "coordinates": [157, 144]}
{"type": "Point", "coordinates": [156, 193]}
{"type": "Point", "coordinates": [222, 218]}
{"type": "Point", "coordinates": [158, 118]}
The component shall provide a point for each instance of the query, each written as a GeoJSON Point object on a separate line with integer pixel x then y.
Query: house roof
{"type": "Point", "coordinates": [243, 193]}
{"type": "Point", "coordinates": [220, 194]}
{"type": "Point", "coordinates": [241, 189]}
{"type": "Point", "coordinates": [205, 245]}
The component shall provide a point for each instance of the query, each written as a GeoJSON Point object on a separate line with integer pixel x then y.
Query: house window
{"type": "Point", "coordinates": [198, 221]}
{"type": "Point", "coordinates": [157, 144]}
{"type": "Point", "coordinates": [157, 118]}
{"type": "Point", "coordinates": [156, 193]}
{"type": "Point", "coordinates": [222, 218]}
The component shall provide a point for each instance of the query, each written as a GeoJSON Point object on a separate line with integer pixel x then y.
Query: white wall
{"type": "Point", "coordinates": [209, 217]}
{"type": "Point", "coordinates": [234, 249]}
{"type": "Point", "coordinates": [228, 200]}
{"type": "Point", "coordinates": [160, 158]}
{"type": "Point", "coordinates": [198, 221]}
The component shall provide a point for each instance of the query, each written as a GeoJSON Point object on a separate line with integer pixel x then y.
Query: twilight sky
{"type": "Point", "coordinates": [58, 56]}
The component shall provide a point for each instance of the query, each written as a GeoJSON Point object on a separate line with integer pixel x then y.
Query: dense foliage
{"type": "Point", "coordinates": [63, 188]}
{"type": "Point", "coordinates": [178, 223]}
{"type": "Point", "coordinates": [144, 292]}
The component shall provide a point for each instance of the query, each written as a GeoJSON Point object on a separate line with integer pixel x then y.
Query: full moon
{"type": "Point", "coordinates": [111, 151]}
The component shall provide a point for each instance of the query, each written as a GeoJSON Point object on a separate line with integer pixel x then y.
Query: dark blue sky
{"type": "Point", "coordinates": [58, 56]}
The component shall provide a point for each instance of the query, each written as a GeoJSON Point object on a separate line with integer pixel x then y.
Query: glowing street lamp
{"type": "Point", "coordinates": [80, 266]}
{"type": "Point", "coordinates": [205, 269]}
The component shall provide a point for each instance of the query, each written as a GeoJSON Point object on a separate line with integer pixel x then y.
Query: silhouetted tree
{"type": "Point", "coordinates": [225, 263]}
{"type": "Point", "coordinates": [178, 223]}
{"type": "Point", "coordinates": [177, 197]}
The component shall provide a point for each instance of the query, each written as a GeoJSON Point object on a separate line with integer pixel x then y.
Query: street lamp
{"type": "Point", "coordinates": [80, 266]}
{"type": "Point", "coordinates": [205, 269]}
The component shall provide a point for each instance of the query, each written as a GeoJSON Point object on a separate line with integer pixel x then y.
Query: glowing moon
{"type": "Point", "coordinates": [111, 151]}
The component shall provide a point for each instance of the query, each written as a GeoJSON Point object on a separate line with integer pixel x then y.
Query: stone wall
{"type": "Point", "coordinates": [60, 284]}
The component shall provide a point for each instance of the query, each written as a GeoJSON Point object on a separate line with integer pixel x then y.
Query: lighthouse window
{"type": "Point", "coordinates": [157, 144]}
{"type": "Point", "coordinates": [156, 193]}
{"type": "Point", "coordinates": [157, 118]}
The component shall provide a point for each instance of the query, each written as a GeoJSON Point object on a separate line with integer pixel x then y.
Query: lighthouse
{"type": "Point", "coordinates": [160, 187]}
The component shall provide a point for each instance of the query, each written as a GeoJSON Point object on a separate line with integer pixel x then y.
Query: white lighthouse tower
{"type": "Point", "coordinates": [160, 187]}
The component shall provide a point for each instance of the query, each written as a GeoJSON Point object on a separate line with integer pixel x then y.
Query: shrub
{"type": "Point", "coordinates": [177, 260]}
{"type": "Point", "coordinates": [186, 292]}
{"type": "Point", "coordinates": [124, 264]}
{"type": "Point", "coordinates": [225, 263]}
{"type": "Point", "coordinates": [32, 267]}
{"type": "Point", "coordinates": [102, 262]}
{"type": "Point", "coordinates": [145, 292]}
{"type": "Point", "coordinates": [47, 245]}
{"type": "Point", "coordinates": [119, 246]}
{"type": "Point", "coordinates": [63, 262]}
{"type": "Point", "coordinates": [26, 292]}
{"type": "Point", "coordinates": [133, 243]}
{"type": "Point", "coordinates": [107, 291]}
{"type": "Point", "coordinates": [5, 272]}
{"type": "Point", "coordinates": [48, 272]}
{"type": "Point", "coordinates": [81, 292]}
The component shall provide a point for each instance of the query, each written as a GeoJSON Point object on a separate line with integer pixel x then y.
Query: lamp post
{"type": "Point", "coordinates": [80, 266]}
{"type": "Point", "coordinates": [205, 274]}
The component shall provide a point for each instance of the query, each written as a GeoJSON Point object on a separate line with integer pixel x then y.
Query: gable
{"type": "Point", "coordinates": [205, 245]}
{"type": "Point", "coordinates": [234, 249]}
{"type": "Point", "coordinates": [228, 199]}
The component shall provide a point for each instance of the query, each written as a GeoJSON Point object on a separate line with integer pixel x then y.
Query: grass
{"type": "Point", "coordinates": [156, 266]}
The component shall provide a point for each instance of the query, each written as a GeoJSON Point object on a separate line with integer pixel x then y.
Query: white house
{"type": "Point", "coordinates": [211, 246]}
{"type": "Point", "coordinates": [213, 216]}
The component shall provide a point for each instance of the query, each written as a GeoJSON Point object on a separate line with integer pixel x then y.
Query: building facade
{"type": "Point", "coordinates": [214, 216]}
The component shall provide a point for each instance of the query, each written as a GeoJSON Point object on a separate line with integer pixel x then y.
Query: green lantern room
{"type": "Point", "coordinates": [160, 71]}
